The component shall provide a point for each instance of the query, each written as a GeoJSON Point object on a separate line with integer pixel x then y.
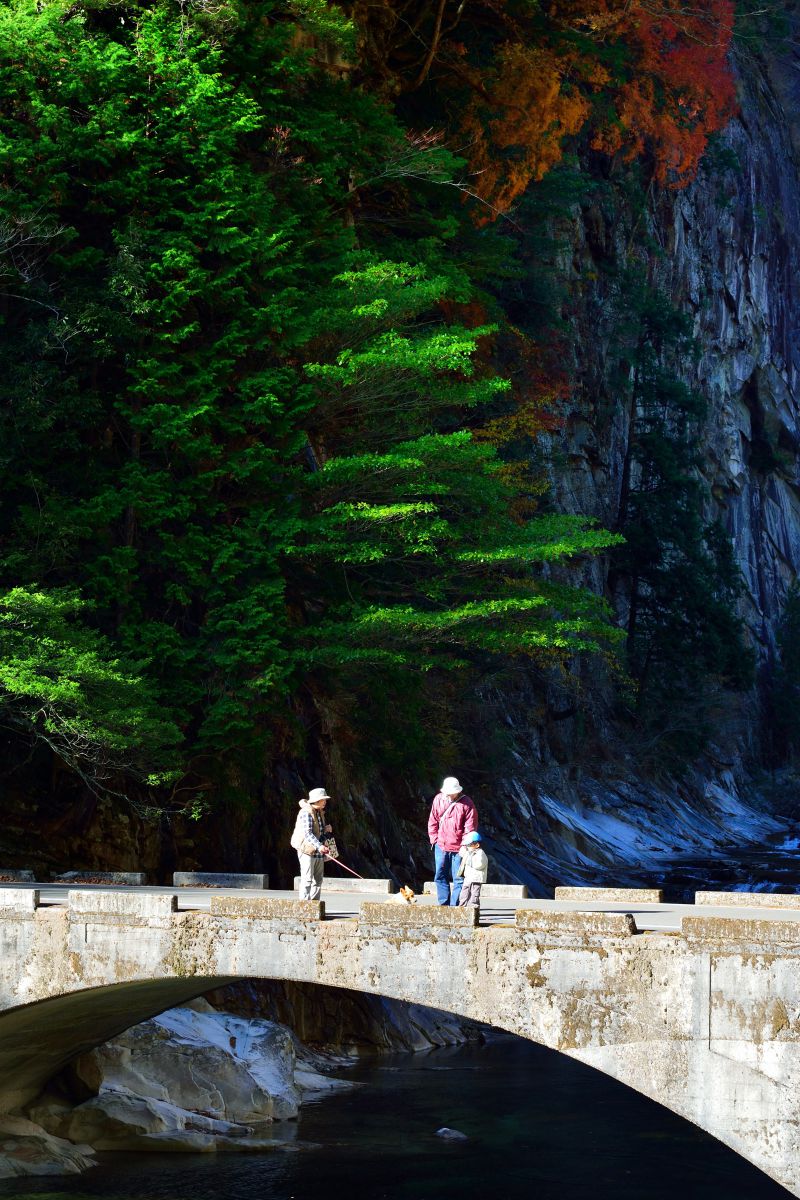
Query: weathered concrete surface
{"type": "Point", "coordinates": [749, 899]}
{"type": "Point", "coordinates": [489, 891]}
{"type": "Point", "coordinates": [703, 1021]}
{"type": "Point", "coordinates": [219, 879]}
{"type": "Point", "coordinates": [408, 916]}
{"type": "Point", "coordinates": [267, 908]}
{"type": "Point", "coordinates": [612, 895]}
{"type": "Point", "coordinates": [121, 908]}
{"type": "Point", "coordinates": [774, 934]}
{"type": "Point", "coordinates": [330, 884]}
{"type": "Point", "coordinates": [599, 924]}
{"type": "Point", "coordinates": [118, 878]}
{"type": "Point", "coordinates": [21, 901]}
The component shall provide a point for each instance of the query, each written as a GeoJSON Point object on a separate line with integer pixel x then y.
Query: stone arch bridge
{"type": "Point", "coordinates": [704, 1020]}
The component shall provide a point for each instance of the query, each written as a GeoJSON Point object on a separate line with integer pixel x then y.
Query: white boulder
{"type": "Point", "coordinates": [190, 1079]}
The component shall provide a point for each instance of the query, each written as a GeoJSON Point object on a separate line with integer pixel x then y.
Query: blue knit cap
{"type": "Point", "coordinates": [471, 838]}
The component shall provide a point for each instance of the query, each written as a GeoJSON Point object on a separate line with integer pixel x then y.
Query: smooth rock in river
{"type": "Point", "coordinates": [26, 1149]}
{"type": "Point", "coordinates": [117, 1121]}
{"type": "Point", "coordinates": [190, 1079]}
{"type": "Point", "coordinates": [451, 1135]}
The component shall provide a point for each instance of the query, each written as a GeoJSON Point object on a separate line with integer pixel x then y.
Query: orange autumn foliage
{"type": "Point", "coordinates": [639, 77]}
{"type": "Point", "coordinates": [533, 409]}
{"type": "Point", "coordinates": [517, 127]}
{"type": "Point", "coordinates": [540, 385]}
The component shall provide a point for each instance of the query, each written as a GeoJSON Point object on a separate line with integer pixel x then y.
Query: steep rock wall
{"type": "Point", "coordinates": [727, 251]}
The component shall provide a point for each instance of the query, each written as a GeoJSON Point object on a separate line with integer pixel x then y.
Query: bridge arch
{"type": "Point", "coordinates": [701, 1022]}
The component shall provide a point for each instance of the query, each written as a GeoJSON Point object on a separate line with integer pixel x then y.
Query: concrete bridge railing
{"type": "Point", "coordinates": [705, 1021]}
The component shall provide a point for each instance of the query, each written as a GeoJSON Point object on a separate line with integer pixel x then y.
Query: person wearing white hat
{"type": "Point", "coordinates": [453, 815]}
{"type": "Point", "coordinates": [308, 840]}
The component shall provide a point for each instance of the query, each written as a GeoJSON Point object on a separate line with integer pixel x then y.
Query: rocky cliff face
{"type": "Point", "coordinates": [727, 251]}
{"type": "Point", "coordinates": [734, 263]}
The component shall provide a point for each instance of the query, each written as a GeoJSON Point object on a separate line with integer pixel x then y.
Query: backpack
{"type": "Point", "coordinates": [298, 835]}
{"type": "Point", "coordinates": [298, 839]}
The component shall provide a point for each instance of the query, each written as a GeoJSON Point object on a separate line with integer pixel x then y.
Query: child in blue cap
{"type": "Point", "coordinates": [474, 867]}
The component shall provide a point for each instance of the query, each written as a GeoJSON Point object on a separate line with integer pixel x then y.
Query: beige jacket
{"type": "Point", "coordinates": [309, 830]}
{"type": "Point", "coordinates": [474, 865]}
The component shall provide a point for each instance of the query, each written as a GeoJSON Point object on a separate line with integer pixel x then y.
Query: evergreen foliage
{"type": "Point", "coordinates": [60, 679]}
{"type": "Point", "coordinates": [237, 403]}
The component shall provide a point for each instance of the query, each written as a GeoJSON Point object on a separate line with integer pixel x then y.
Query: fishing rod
{"type": "Point", "coordinates": [341, 864]}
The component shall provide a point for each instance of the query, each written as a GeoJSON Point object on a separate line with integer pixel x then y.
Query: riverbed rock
{"type": "Point", "coordinates": [451, 1135]}
{"type": "Point", "coordinates": [27, 1149]}
{"type": "Point", "coordinates": [340, 1022]}
{"type": "Point", "coordinates": [191, 1079]}
{"type": "Point", "coordinates": [119, 1121]}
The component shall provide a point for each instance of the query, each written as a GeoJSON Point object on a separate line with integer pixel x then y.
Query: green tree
{"type": "Point", "coordinates": [234, 413]}
{"type": "Point", "coordinates": [60, 683]}
{"type": "Point", "coordinates": [410, 540]}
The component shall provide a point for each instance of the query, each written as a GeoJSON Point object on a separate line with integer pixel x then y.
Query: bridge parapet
{"type": "Point", "coordinates": [18, 903]}
{"type": "Point", "coordinates": [583, 924]}
{"type": "Point", "coordinates": [389, 915]}
{"type": "Point", "coordinates": [220, 879]}
{"type": "Point", "coordinates": [763, 935]}
{"type": "Point", "coordinates": [267, 908]}
{"type": "Point", "coordinates": [129, 909]}
{"type": "Point", "coordinates": [334, 883]}
{"type": "Point", "coordinates": [748, 899]}
{"type": "Point", "coordinates": [610, 895]}
{"type": "Point", "coordinates": [489, 891]}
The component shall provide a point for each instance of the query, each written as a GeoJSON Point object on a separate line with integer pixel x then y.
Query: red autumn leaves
{"type": "Point", "coordinates": [634, 78]}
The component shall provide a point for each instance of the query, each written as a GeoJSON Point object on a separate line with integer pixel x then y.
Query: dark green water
{"type": "Point", "coordinates": [541, 1127]}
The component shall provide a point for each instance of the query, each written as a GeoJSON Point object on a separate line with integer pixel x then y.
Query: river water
{"type": "Point", "coordinates": [540, 1127]}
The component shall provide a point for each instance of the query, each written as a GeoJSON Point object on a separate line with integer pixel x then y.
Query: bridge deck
{"type": "Point", "coordinates": [665, 917]}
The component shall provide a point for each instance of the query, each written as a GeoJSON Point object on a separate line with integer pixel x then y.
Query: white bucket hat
{"type": "Point", "coordinates": [451, 786]}
{"type": "Point", "coordinates": [317, 794]}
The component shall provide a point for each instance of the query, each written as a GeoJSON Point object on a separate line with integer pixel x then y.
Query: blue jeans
{"type": "Point", "coordinates": [447, 863]}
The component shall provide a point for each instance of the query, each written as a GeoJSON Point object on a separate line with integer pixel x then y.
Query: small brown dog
{"type": "Point", "coordinates": [405, 896]}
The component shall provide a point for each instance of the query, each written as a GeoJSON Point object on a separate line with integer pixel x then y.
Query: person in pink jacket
{"type": "Point", "coordinates": [453, 815]}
